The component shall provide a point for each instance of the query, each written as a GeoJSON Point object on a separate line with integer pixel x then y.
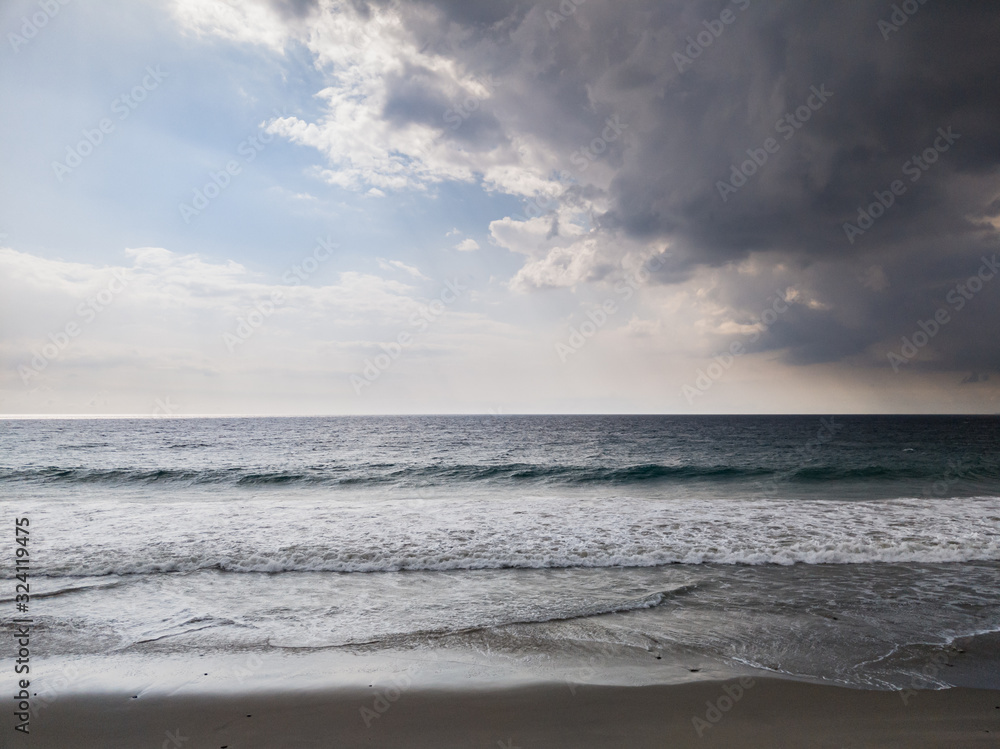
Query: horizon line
{"type": "Point", "coordinates": [134, 416]}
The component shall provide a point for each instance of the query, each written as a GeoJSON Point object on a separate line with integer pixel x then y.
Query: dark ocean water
{"type": "Point", "coordinates": [839, 548]}
{"type": "Point", "coordinates": [884, 455]}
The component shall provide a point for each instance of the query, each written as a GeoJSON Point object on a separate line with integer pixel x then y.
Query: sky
{"type": "Point", "coordinates": [496, 206]}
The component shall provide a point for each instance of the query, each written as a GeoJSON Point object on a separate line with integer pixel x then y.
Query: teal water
{"type": "Point", "coordinates": [833, 548]}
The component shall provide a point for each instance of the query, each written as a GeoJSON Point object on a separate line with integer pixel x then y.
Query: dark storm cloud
{"type": "Point", "coordinates": [481, 13]}
{"type": "Point", "coordinates": [888, 99]}
{"type": "Point", "coordinates": [415, 95]}
{"type": "Point", "coordinates": [295, 8]}
{"type": "Point", "coordinates": [419, 95]}
{"type": "Point", "coordinates": [846, 105]}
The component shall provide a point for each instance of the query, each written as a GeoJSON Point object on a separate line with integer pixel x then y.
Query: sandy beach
{"type": "Point", "coordinates": [733, 713]}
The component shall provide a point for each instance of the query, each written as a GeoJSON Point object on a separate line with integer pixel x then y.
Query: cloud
{"type": "Point", "coordinates": [170, 307]}
{"type": "Point", "coordinates": [885, 104]}
{"type": "Point", "coordinates": [298, 9]}
{"type": "Point", "coordinates": [398, 265]}
{"type": "Point", "coordinates": [618, 147]}
{"type": "Point", "coordinates": [467, 245]}
{"type": "Point", "coordinates": [246, 21]}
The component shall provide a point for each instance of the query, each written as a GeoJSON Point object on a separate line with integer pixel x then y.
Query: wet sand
{"type": "Point", "coordinates": [752, 712]}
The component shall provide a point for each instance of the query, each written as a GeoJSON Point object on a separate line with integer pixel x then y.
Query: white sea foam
{"type": "Point", "coordinates": [94, 538]}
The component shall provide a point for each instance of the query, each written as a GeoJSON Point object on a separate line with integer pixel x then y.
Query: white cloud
{"type": "Point", "coordinates": [561, 266]}
{"type": "Point", "coordinates": [530, 237]}
{"type": "Point", "coordinates": [467, 245]}
{"type": "Point", "coordinates": [399, 265]}
{"type": "Point", "coordinates": [174, 303]}
{"type": "Point", "coordinates": [399, 114]}
{"type": "Point", "coordinates": [249, 21]}
{"type": "Point", "coordinates": [361, 56]}
{"type": "Point", "coordinates": [562, 253]}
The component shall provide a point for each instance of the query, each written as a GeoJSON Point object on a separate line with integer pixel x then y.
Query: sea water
{"type": "Point", "coordinates": [844, 549]}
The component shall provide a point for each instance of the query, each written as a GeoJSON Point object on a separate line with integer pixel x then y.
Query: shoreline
{"type": "Point", "coordinates": [749, 711]}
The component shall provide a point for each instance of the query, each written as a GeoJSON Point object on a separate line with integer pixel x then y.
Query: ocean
{"type": "Point", "coordinates": [857, 550]}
